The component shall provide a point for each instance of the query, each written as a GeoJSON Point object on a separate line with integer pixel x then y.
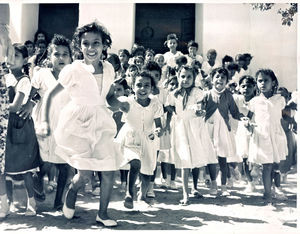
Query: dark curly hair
{"type": "Point", "coordinates": [23, 50]}
{"type": "Point", "coordinates": [94, 27]}
{"type": "Point", "coordinates": [146, 74]}
{"type": "Point", "coordinates": [270, 73]}
{"type": "Point", "coordinates": [219, 70]}
{"type": "Point", "coordinates": [59, 40]}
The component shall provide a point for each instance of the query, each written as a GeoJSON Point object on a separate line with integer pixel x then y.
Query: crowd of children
{"type": "Point", "coordinates": [95, 113]}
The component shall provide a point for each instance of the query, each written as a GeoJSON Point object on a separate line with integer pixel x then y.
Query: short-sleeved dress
{"type": "Point", "coordinates": [190, 141]}
{"type": "Point", "coordinates": [268, 143]}
{"type": "Point", "coordinates": [22, 151]}
{"type": "Point", "coordinates": [43, 80]}
{"type": "Point", "coordinates": [86, 130]}
{"type": "Point", "coordinates": [4, 106]}
{"type": "Point", "coordinates": [134, 135]}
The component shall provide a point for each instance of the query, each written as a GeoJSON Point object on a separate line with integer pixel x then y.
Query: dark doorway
{"type": "Point", "coordinates": [59, 19]}
{"type": "Point", "coordinates": [155, 21]}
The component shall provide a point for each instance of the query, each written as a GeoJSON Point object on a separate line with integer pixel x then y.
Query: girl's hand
{"type": "Point", "coordinates": [200, 113]}
{"type": "Point", "coordinates": [26, 110]}
{"type": "Point", "coordinates": [44, 129]}
{"type": "Point", "coordinates": [158, 132]}
{"type": "Point", "coordinates": [248, 125]}
{"type": "Point", "coordinates": [124, 106]}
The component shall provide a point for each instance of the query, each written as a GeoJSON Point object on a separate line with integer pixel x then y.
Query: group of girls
{"type": "Point", "coordinates": [94, 121]}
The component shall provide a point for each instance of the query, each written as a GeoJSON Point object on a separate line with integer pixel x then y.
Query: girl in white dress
{"type": "Point", "coordinates": [268, 144]}
{"type": "Point", "coordinates": [170, 56]}
{"type": "Point", "coordinates": [59, 54]}
{"type": "Point", "coordinates": [86, 130]}
{"type": "Point", "coordinates": [247, 89]}
{"type": "Point", "coordinates": [138, 136]}
{"type": "Point", "coordinates": [191, 144]}
{"type": "Point", "coordinates": [218, 103]}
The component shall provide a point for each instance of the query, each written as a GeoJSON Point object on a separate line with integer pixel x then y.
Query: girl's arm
{"type": "Point", "coordinates": [114, 102]}
{"type": "Point", "coordinates": [47, 100]}
{"type": "Point", "coordinates": [234, 110]}
{"type": "Point", "coordinates": [158, 126]}
{"type": "Point", "coordinates": [17, 103]}
{"type": "Point", "coordinates": [26, 109]}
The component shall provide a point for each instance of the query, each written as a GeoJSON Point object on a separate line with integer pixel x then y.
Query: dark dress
{"type": "Point", "coordinates": [22, 151]}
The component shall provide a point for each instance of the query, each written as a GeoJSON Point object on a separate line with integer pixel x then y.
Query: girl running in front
{"type": "Point", "coordinates": [268, 144]}
{"type": "Point", "coordinates": [218, 103]}
{"type": "Point", "coordinates": [86, 130]}
{"type": "Point", "coordinates": [139, 138]}
{"type": "Point", "coordinates": [22, 151]}
{"type": "Point", "coordinates": [59, 54]}
{"type": "Point", "coordinates": [192, 146]}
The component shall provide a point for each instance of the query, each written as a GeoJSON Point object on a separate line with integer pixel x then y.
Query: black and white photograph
{"type": "Point", "coordinates": [131, 115]}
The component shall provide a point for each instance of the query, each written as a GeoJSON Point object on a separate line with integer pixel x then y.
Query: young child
{"type": "Point", "coordinates": [30, 47]}
{"type": "Point", "coordinates": [192, 145]}
{"type": "Point", "coordinates": [218, 103]}
{"type": "Point", "coordinates": [131, 73]}
{"type": "Point", "coordinates": [211, 62]}
{"type": "Point", "coordinates": [86, 130]}
{"type": "Point", "coordinates": [192, 56]}
{"type": "Point", "coordinates": [115, 62]}
{"type": "Point", "coordinates": [171, 43]}
{"type": "Point", "coordinates": [120, 87]}
{"type": "Point", "coordinates": [268, 144]}
{"type": "Point", "coordinates": [59, 54]}
{"type": "Point", "coordinates": [22, 152]}
{"type": "Point", "coordinates": [138, 136]}
{"type": "Point", "coordinates": [149, 55]}
{"type": "Point", "coordinates": [124, 56]}
{"type": "Point", "coordinates": [40, 56]}
{"type": "Point", "coordinates": [159, 58]}
{"type": "Point", "coordinates": [136, 50]}
{"type": "Point", "coordinates": [139, 61]}
{"type": "Point", "coordinates": [247, 89]}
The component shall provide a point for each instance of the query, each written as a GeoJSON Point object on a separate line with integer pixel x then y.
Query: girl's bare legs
{"type": "Point", "coordinates": [144, 186]}
{"type": "Point", "coordinates": [185, 185]}
{"type": "Point", "coordinates": [267, 181]}
{"type": "Point", "coordinates": [106, 186]}
{"type": "Point", "coordinates": [31, 205]}
{"type": "Point", "coordinates": [135, 166]}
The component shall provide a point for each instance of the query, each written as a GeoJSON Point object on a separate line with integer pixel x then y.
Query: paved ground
{"type": "Point", "coordinates": [238, 213]}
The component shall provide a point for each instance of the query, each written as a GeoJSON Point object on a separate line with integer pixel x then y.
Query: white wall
{"type": "Point", "coordinates": [236, 28]}
{"type": "Point", "coordinates": [23, 21]}
{"type": "Point", "coordinates": [119, 19]}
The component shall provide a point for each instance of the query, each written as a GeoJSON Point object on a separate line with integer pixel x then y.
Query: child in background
{"type": "Point", "coordinates": [59, 54]}
{"type": "Point", "coordinates": [171, 43]}
{"type": "Point", "coordinates": [211, 62]}
{"type": "Point", "coordinates": [247, 89]}
{"type": "Point", "coordinates": [115, 62]}
{"type": "Point", "coordinates": [149, 55]}
{"type": "Point", "coordinates": [30, 48]}
{"type": "Point", "coordinates": [120, 87]}
{"type": "Point", "coordinates": [268, 143]}
{"type": "Point", "coordinates": [180, 61]}
{"type": "Point", "coordinates": [226, 60]}
{"type": "Point", "coordinates": [86, 130]}
{"type": "Point", "coordinates": [22, 151]}
{"type": "Point", "coordinates": [38, 59]}
{"type": "Point", "coordinates": [136, 50]}
{"type": "Point", "coordinates": [138, 137]}
{"type": "Point", "coordinates": [139, 61]}
{"type": "Point", "coordinates": [192, 56]}
{"type": "Point", "coordinates": [124, 58]}
{"type": "Point", "coordinates": [159, 58]}
{"type": "Point", "coordinates": [218, 103]}
{"type": "Point", "coordinates": [191, 146]}
{"type": "Point", "coordinates": [131, 73]}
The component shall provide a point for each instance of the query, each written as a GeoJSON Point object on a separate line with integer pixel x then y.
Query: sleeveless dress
{"type": "Point", "coordinates": [86, 130]}
{"type": "Point", "coordinates": [22, 151]}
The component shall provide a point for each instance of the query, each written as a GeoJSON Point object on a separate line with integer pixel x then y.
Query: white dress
{"type": "Point", "coordinates": [170, 58]}
{"type": "Point", "coordinates": [85, 131]}
{"type": "Point", "coordinates": [268, 143]}
{"type": "Point", "coordinates": [207, 68]}
{"type": "Point", "coordinates": [43, 80]}
{"type": "Point", "coordinates": [134, 135]}
{"type": "Point", "coordinates": [190, 141]}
